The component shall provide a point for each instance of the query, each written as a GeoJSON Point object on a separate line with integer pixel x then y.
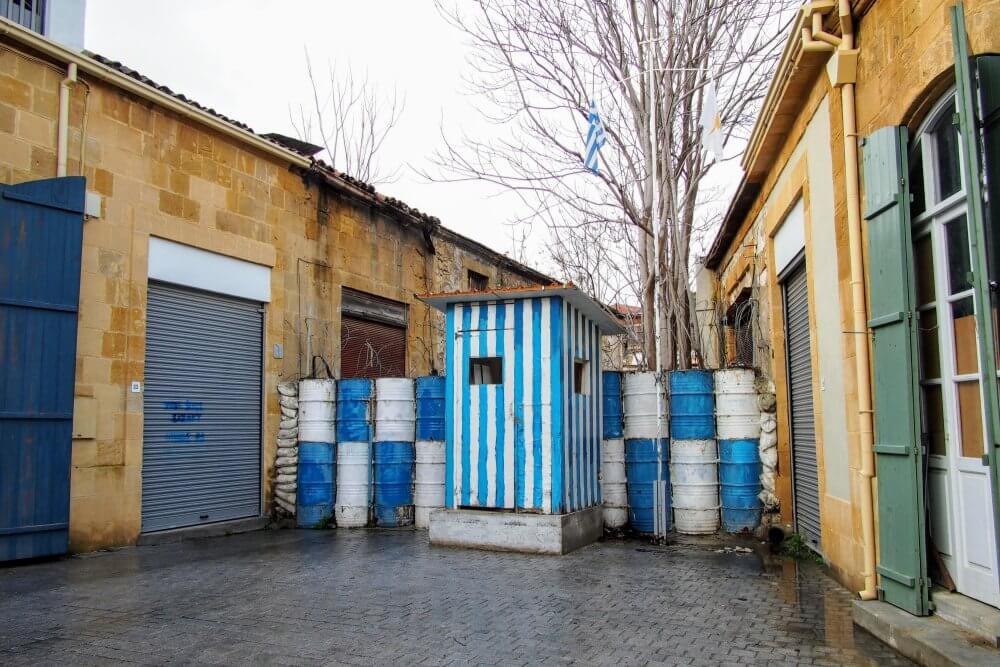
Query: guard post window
{"type": "Point", "coordinates": [581, 376]}
{"type": "Point", "coordinates": [485, 370]}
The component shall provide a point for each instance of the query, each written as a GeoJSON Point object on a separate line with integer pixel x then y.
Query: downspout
{"type": "Point", "coordinates": [62, 141]}
{"type": "Point", "coordinates": [843, 74]}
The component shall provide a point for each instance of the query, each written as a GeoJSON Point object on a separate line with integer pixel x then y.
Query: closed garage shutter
{"type": "Point", "coordinates": [202, 404]}
{"type": "Point", "coordinates": [372, 336]}
{"type": "Point", "coordinates": [805, 473]}
{"type": "Point", "coordinates": [371, 349]}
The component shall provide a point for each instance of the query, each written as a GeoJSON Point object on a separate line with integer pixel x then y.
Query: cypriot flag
{"type": "Point", "coordinates": [711, 122]}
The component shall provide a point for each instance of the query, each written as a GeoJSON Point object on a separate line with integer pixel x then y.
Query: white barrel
{"type": "Point", "coordinates": [317, 411]}
{"type": "Point", "coordinates": [351, 504]}
{"type": "Point", "coordinates": [428, 484]}
{"type": "Point", "coordinates": [641, 391]}
{"type": "Point", "coordinates": [395, 410]}
{"type": "Point", "coordinates": [694, 479]}
{"type": "Point", "coordinates": [613, 489]}
{"type": "Point", "coordinates": [737, 415]}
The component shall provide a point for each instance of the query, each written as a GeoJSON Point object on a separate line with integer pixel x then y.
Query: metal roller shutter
{"type": "Point", "coordinates": [202, 404]}
{"type": "Point", "coordinates": [371, 349]}
{"type": "Point", "coordinates": [805, 471]}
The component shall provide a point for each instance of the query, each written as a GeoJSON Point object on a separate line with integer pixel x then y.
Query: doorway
{"type": "Point", "coordinates": [960, 505]}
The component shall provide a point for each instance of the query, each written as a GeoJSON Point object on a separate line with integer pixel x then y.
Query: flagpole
{"type": "Point", "coordinates": [659, 496]}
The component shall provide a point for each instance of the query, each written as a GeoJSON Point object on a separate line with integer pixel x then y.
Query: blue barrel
{"type": "Point", "coordinates": [692, 405]}
{"type": "Point", "coordinates": [315, 496]}
{"type": "Point", "coordinates": [640, 471]}
{"type": "Point", "coordinates": [612, 392]}
{"type": "Point", "coordinates": [430, 407]}
{"type": "Point", "coordinates": [353, 422]}
{"type": "Point", "coordinates": [394, 467]}
{"type": "Point", "coordinates": [739, 476]}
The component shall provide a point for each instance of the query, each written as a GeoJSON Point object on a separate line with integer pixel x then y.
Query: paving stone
{"type": "Point", "coordinates": [388, 597]}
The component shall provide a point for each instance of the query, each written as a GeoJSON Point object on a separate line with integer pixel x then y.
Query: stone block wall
{"type": "Point", "coordinates": [161, 173]}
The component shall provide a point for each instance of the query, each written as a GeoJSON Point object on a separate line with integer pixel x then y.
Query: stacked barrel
{"type": "Point", "coordinates": [694, 459]}
{"type": "Point", "coordinates": [394, 451]}
{"type": "Point", "coordinates": [613, 485]}
{"type": "Point", "coordinates": [428, 481]}
{"type": "Point", "coordinates": [317, 435]}
{"type": "Point", "coordinates": [738, 424]}
{"type": "Point", "coordinates": [646, 449]}
{"type": "Point", "coordinates": [354, 435]}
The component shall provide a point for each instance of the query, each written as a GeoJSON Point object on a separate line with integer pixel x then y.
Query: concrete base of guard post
{"type": "Point", "coordinates": [554, 534]}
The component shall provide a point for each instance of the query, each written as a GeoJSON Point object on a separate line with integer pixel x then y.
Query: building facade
{"type": "Point", "coordinates": [211, 251]}
{"type": "Point", "coordinates": [860, 243]}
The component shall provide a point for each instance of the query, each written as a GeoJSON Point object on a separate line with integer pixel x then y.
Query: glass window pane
{"type": "Point", "coordinates": [949, 175]}
{"type": "Point", "coordinates": [964, 326]}
{"type": "Point", "coordinates": [970, 411]}
{"type": "Point", "coordinates": [923, 252]}
{"type": "Point", "coordinates": [957, 236]}
{"type": "Point", "coordinates": [918, 202]}
{"type": "Point", "coordinates": [927, 339]}
{"type": "Point", "coordinates": [934, 418]}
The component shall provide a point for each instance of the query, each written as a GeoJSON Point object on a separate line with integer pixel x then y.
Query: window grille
{"type": "Point", "coordinates": [29, 13]}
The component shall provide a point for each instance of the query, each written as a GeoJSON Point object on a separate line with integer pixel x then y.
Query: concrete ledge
{"type": "Point", "coordinates": [506, 531]}
{"type": "Point", "coordinates": [927, 640]}
{"type": "Point", "coordinates": [968, 614]}
{"type": "Point", "coordinates": [207, 530]}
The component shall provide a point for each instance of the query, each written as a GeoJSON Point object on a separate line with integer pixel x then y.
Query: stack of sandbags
{"type": "Point", "coordinates": [287, 457]}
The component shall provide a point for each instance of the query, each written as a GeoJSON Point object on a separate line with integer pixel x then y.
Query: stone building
{"type": "Point", "coordinates": [193, 215]}
{"type": "Point", "coordinates": [860, 244]}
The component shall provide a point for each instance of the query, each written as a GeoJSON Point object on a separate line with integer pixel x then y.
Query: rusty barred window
{"type": "Point", "coordinates": [478, 282]}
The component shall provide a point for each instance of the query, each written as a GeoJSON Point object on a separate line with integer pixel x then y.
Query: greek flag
{"type": "Point", "coordinates": [595, 139]}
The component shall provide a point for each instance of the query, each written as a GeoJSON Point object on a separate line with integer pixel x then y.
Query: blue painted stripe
{"type": "Point", "coordinates": [536, 392]}
{"type": "Point", "coordinates": [449, 407]}
{"type": "Point", "coordinates": [501, 321]}
{"type": "Point", "coordinates": [466, 422]}
{"type": "Point", "coordinates": [556, 374]}
{"type": "Point", "coordinates": [519, 403]}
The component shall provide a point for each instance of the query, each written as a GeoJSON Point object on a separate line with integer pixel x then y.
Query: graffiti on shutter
{"type": "Point", "coordinates": [371, 349]}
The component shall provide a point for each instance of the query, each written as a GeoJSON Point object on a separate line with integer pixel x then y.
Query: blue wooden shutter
{"type": "Point", "coordinates": [902, 563]}
{"type": "Point", "coordinates": [41, 236]}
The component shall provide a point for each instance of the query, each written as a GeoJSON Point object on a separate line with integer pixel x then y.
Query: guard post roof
{"type": "Point", "coordinates": [608, 324]}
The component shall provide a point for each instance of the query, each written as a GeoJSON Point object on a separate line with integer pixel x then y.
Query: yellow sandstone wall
{"type": "Point", "coordinates": [905, 65]}
{"type": "Point", "coordinates": [163, 175]}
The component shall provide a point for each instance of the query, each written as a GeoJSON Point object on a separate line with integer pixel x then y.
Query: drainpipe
{"type": "Point", "coordinates": [63, 137]}
{"type": "Point", "coordinates": [842, 70]}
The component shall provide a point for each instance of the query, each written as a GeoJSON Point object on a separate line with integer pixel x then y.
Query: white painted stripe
{"type": "Point", "coordinates": [457, 372]}
{"type": "Point", "coordinates": [491, 411]}
{"type": "Point", "coordinates": [508, 408]}
{"type": "Point", "coordinates": [546, 375]}
{"type": "Point", "coordinates": [529, 401]}
{"type": "Point", "coordinates": [568, 406]}
{"type": "Point", "coordinates": [474, 416]}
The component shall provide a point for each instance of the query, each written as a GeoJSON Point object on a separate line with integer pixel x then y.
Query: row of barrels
{"type": "Point", "coordinates": [704, 438]}
{"type": "Point", "coordinates": [357, 468]}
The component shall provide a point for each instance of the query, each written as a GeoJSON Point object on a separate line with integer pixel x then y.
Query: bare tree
{"type": "Point", "coordinates": [352, 119]}
{"type": "Point", "coordinates": [538, 63]}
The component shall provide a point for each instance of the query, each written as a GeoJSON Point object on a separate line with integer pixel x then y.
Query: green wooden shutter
{"type": "Point", "coordinates": [898, 456]}
{"type": "Point", "coordinates": [978, 126]}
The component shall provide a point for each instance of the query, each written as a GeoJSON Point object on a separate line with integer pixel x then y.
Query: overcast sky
{"type": "Point", "coordinates": [245, 58]}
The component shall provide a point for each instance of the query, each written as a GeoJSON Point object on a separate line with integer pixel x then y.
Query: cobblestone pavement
{"type": "Point", "coordinates": [382, 598]}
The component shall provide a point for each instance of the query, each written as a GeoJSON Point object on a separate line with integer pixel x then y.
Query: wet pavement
{"type": "Point", "coordinates": [382, 597]}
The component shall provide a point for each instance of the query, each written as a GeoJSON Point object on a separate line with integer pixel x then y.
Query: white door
{"type": "Point", "coordinates": [961, 504]}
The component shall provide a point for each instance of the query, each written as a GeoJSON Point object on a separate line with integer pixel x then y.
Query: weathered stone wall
{"type": "Point", "coordinates": [166, 175]}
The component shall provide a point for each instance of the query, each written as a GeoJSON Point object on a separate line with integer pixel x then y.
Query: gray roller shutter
{"type": "Point", "coordinates": [202, 424]}
{"type": "Point", "coordinates": [805, 472]}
